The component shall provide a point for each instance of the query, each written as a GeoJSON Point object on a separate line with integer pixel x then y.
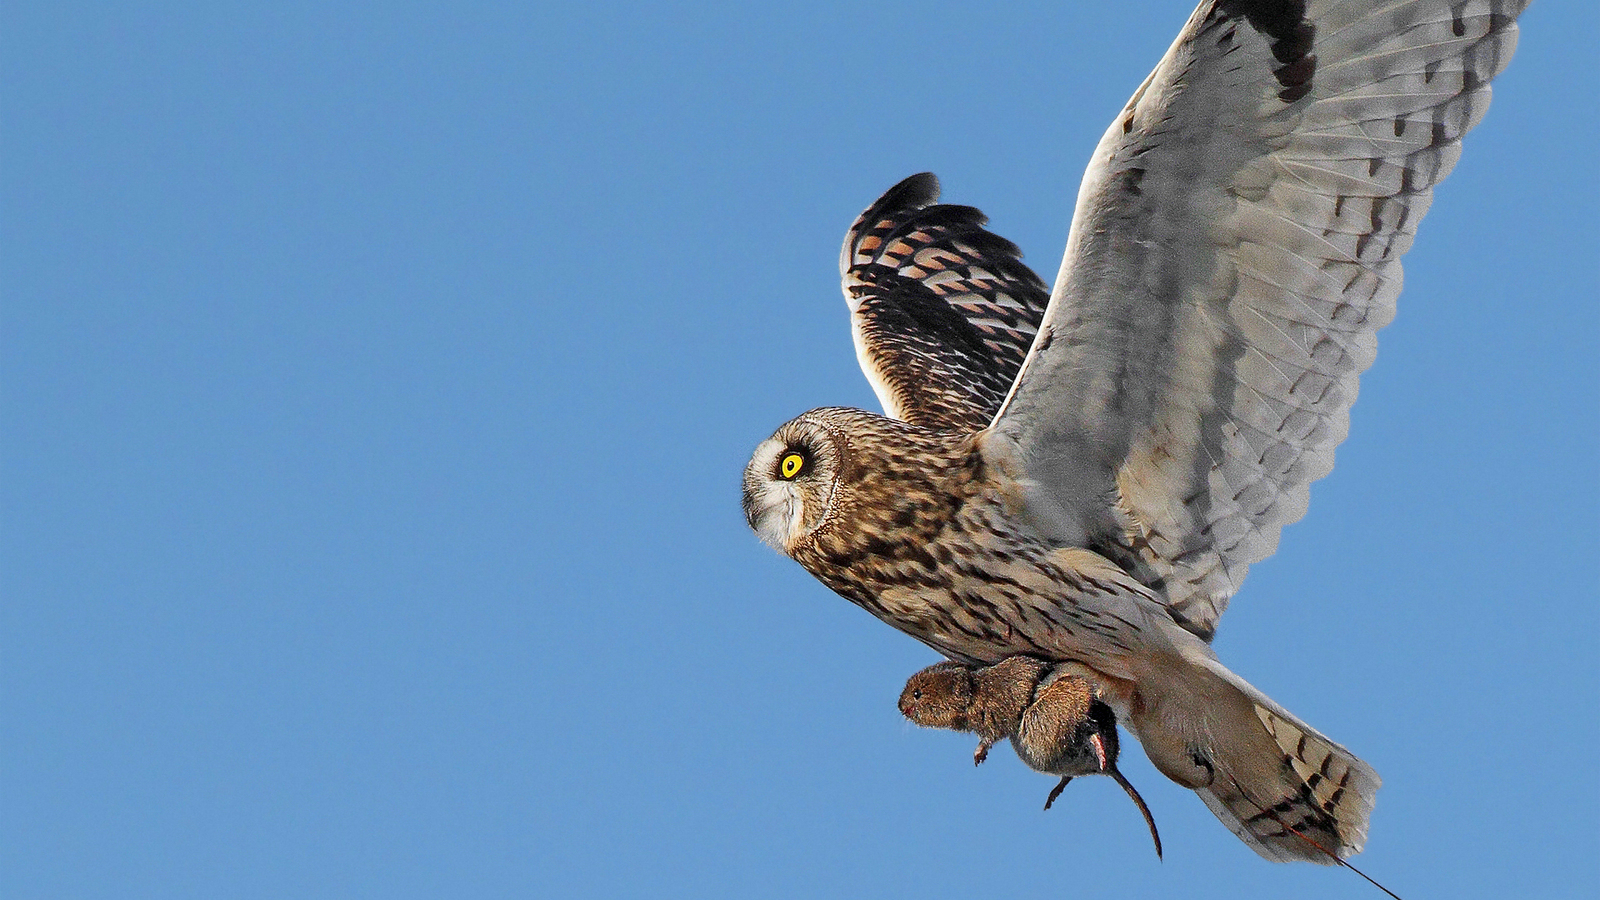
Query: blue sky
{"type": "Point", "coordinates": [375, 385]}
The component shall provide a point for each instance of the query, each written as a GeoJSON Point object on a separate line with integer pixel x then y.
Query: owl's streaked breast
{"type": "Point", "coordinates": [921, 533]}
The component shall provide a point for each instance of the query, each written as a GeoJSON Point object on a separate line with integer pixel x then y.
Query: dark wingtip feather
{"type": "Point", "coordinates": [944, 310]}
{"type": "Point", "coordinates": [916, 191]}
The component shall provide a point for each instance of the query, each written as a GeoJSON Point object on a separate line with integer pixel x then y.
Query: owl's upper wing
{"type": "Point", "coordinates": [942, 311]}
{"type": "Point", "coordinates": [1235, 248]}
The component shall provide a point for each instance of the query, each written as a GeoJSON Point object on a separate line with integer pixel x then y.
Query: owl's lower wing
{"type": "Point", "coordinates": [1235, 249]}
{"type": "Point", "coordinates": [942, 311]}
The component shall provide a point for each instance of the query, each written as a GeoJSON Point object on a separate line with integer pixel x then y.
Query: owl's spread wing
{"type": "Point", "coordinates": [1235, 248]}
{"type": "Point", "coordinates": [942, 311]}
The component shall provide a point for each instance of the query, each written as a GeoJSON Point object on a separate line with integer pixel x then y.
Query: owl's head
{"type": "Point", "coordinates": [790, 482]}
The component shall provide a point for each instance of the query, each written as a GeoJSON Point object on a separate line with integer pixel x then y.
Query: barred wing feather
{"type": "Point", "coordinates": [942, 311]}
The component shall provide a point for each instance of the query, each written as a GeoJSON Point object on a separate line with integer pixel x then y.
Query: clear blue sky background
{"type": "Point", "coordinates": [376, 382]}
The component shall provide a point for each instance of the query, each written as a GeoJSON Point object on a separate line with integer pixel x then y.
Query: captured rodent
{"type": "Point", "coordinates": [1054, 721]}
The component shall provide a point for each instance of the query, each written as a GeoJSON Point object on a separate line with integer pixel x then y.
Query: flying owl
{"type": "Point", "coordinates": [1085, 473]}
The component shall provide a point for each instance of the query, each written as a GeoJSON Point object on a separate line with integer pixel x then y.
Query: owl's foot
{"type": "Point", "coordinates": [982, 753]}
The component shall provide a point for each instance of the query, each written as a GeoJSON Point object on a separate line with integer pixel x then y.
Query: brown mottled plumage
{"type": "Point", "coordinates": [1088, 477]}
{"type": "Point", "coordinates": [1055, 723]}
{"type": "Point", "coordinates": [896, 517]}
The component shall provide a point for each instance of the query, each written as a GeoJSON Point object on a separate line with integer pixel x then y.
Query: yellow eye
{"type": "Point", "coordinates": [791, 465]}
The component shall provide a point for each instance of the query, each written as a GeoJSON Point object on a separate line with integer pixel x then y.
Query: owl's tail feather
{"type": "Point", "coordinates": [1277, 783]}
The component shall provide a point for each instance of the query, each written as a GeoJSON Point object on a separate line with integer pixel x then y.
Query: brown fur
{"type": "Point", "coordinates": [1054, 720]}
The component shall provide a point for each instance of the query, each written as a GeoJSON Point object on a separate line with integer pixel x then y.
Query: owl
{"type": "Point", "coordinates": [1084, 473]}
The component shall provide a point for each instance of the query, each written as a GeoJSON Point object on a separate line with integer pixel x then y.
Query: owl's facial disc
{"type": "Point", "coordinates": [788, 485]}
{"type": "Point", "coordinates": [773, 506]}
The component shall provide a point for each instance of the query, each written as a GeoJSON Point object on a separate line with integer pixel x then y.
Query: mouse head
{"type": "Point", "coordinates": [940, 696]}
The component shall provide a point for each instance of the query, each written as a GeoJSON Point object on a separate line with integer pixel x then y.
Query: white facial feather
{"type": "Point", "coordinates": [777, 517]}
{"type": "Point", "coordinates": [774, 507]}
